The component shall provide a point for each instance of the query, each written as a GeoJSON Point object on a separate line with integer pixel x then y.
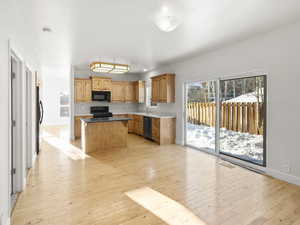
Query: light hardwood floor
{"type": "Point", "coordinates": [66, 187]}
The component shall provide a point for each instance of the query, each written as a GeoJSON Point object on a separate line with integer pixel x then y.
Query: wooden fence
{"type": "Point", "coordinates": [241, 117]}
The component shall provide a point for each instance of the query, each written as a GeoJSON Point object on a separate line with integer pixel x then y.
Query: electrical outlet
{"type": "Point", "coordinates": [286, 167]}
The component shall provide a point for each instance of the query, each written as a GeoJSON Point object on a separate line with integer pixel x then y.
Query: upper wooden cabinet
{"type": "Point", "coordinates": [83, 90]}
{"type": "Point", "coordinates": [163, 88]}
{"type": "Point", "coordinates": [118, 90]}
{"type": "Point", "coordinates": [139, 91]}
{"type": "Point", "coordinates": [101, 83]}
{"type": "Point", "coordinates": [129, 91]}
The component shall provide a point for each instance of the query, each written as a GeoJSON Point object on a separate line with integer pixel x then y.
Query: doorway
{"type": "Point", "coordinates": [14, 135]}
{"type": "Point", "coordinates": [227, 117]}
{"type": "Point", "coordinates": [201, 115]}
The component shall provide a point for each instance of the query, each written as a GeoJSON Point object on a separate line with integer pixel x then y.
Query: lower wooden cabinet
{"type": "Point", "coordinates": [77, 129]}
{"type": "Point", "coordinates": [164, 130]}
{"type": "Point", "coordinates": [130, 124]}
{"type": "Point", "coordinates": [138, 124]}
{"type": "Point", "coordinates": [156, 129]}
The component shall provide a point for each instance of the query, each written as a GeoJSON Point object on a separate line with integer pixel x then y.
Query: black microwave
{"type": "Point", "coordinates": [102, 96]}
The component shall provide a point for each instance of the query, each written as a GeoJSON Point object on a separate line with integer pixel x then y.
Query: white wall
{"type": "Point", "coordinates": [55, 80]}
{"type": "Point", "coordinates": [16, 22]}
{"type": "Point", "coordinates": [278, 54]}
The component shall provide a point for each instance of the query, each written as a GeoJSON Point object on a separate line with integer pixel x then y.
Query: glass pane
{"type": "Point", "coordinates": [243, 118]}
{"type": "Point", "coordinates": [201, 115]}
{"type": "Point", "coordinates": [64, 111]}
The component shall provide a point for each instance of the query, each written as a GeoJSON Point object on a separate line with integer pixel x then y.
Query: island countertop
{"type": "Point", "coordinates": [105, 119]}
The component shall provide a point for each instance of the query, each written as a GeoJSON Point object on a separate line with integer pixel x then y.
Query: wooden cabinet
{"type": "Point", "coordinates": [130, 124]}
{"type": "Point", "coordinates": [101, 83]}
{"type": "Point", "coordinates": [135, 125]}
{"type": "Point", "coordinates": [164, 130]}
{"type": "Point", "coordinates": [83, 90]}
{"type": "Point", "coordinates": [155, 90]}
{"type": "Point", "coordinates": [163, 88]}
{"type": "Point", "coordinates": [118, 91]}
{"type": "Point", "coordinates": [139, 91]}
{"type": "Point", "coordinates": [77, 127]}
{"type": "Point", "coordinates": [155, 129]}
{"type": "Point", "coordinates": [129, 92]}
{"type": "Point", "coordinates": [138, 124]}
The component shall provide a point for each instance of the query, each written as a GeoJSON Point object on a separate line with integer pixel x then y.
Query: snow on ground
{"type": "Point", "coordinates": [247, 98]}
{"type": "Point", "coordinates": [242, 145]}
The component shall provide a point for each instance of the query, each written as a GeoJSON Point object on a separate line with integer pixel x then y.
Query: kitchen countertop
{"type": "Point", "coordinates": [154, 115]}
{"type": "Point", "coordinates": [84, 114]}
{"type": "Point", "coordinates": [105, 119]}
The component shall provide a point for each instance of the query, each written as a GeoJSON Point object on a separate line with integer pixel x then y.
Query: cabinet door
{"type": "Point", "coordinates": [78, 90]}
{"type": "Point", "coordinates": [155, 90]}
{"type": "Point", "coordinates": [140, 129]}
{"type": "Point", "coordinates": [130, 124]}
{"type": "Point", "coordinates": [136, 91]}
{"type": "Point", "coordinates": [129, 92]}
{"type": "Point", "coordinates": [118, 91]}
{"type": "Point", "coordinates": [156, 129]}
{"type": "Point", "coordinates": [87, 91]}
{"type": "Point", "coordinates": [139, 91]}
{"type": "Point", "coordinates": [95, 84]}
{"type": "Point", "coordinates": [163, 89]}
{"type": "Point", "coordinates": [106, 84]}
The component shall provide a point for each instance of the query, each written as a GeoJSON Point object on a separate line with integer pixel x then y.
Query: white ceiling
{"type": "Point", "coordinates": [123, 31]}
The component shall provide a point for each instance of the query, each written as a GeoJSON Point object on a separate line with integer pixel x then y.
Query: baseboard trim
{"type": "Point", "coordinates": [283, 176]}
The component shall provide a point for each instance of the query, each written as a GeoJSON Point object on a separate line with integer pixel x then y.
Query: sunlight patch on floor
{"type": "Point", "coordinates": [65, 147]}
{"type": "Point", "coordinates": [163, 207]}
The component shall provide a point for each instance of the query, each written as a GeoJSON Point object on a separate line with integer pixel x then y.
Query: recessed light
{"type": "Point", "coordinates": [145, 70]}
{"type": "Point", "coordinates": [47, 29]}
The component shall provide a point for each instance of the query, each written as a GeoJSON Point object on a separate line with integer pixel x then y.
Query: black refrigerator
{"type": "Point", "coordinates": [39, 118]}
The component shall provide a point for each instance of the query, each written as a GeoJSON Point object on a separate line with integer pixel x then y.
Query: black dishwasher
{"type": "Point", "coordinates": [147, 127]}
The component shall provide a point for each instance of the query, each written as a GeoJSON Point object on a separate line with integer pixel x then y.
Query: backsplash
{"type": "Point", "coordinates": [160, 108]}
{"type": "Point", "coordinates": [84, 108]}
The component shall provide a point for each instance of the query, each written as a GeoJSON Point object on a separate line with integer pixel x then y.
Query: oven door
{"type": "Point", "coordinates": [102, 96]}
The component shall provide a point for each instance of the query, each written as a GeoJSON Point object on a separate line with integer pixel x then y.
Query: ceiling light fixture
{"type": "Point", "coordinates": [46, 29]}
{"type": "Point", "coordinates": [167, 19]}
{"type": "Point", "coordinates": [103, 67]}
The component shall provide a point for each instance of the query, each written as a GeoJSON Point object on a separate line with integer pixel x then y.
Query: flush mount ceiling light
{"type": "Point", "coordinates": [168, 18]}
{"type": "Point", "coordinates": [103, 67]}
{"type": "Point", "coordinates": [46, 29]}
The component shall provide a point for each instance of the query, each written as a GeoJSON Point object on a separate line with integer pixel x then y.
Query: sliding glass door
{"type": "Point", "coordinates": [227, 116]}
{"type": "Point", "coordinates": [242, 123]}
{"type": "Point", "coordinates": [201, 115]}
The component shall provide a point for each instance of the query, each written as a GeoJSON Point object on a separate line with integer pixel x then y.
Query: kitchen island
{"type": "Point", "coordinates": [101, 134]}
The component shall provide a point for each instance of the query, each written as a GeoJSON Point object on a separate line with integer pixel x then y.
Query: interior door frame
{"type": "Point", "coordinates": [240, 162]}
{"type": "Point", "coordinates": [29, 82]}
{"type": "Point", "coordinates": [216, 152]}
{"type": "Point", "coordinates": [18, 140]}
{"type": "Point", "coordinates": [232, 158]}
